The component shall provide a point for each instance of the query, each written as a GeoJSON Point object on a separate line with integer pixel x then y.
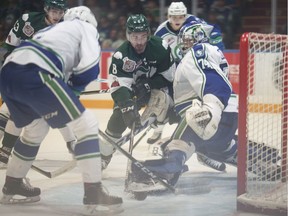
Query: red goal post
{"type": "Point", "coordinates": [263, 118]}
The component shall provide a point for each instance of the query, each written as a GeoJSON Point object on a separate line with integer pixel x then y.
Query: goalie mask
{"type": "Point", "coordinates": [138, 32]}
{"type": "Point", "coordinates": [82, 13]}
{"type": "Point", "coordinates": [190, 34]}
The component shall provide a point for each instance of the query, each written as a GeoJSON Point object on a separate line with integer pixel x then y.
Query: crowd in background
{"type": "Point", "coordinates": [112, 15]}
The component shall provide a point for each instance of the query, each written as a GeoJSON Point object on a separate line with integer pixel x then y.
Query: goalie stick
{"type": "Point", "coordinates": [137, 163]}
{"type": "Point", "coordinates": [52, 174]}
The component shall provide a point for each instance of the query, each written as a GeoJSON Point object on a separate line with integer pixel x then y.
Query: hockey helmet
{"type": "Point", "coordinates": [82, 13]}
{"type": "Point", "coordinates": [177, 9]}
{"type": "Point", "coordinates": [60, 4]}
{"type": "Point", "coordinates": [190, 34]}
{"type": "Point", "coordinates": [137, 23]}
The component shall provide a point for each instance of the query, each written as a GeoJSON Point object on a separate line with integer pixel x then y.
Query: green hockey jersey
{"type": "Point", "coordinates": [156, 63]}
{"type": "Point", "coordinates": [24, 28]}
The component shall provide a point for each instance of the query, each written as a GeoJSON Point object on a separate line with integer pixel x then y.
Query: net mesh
{"type": "Point", "coordinates": [266, 121]}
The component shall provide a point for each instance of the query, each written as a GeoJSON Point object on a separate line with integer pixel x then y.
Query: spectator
{"type": "Point", "coordinates": [227, 13]}
{"type": "Point", "coordinates": [72, 3]}
{"type": "Point", "coordinates": [133, 7]}
{"type": "Point", "coordinates": [113, 41]}
{"type": "Point", "coordinates": [152, 8]}
{"type": "Point", "coordinates": [30, 6]}
{"type": "Point", "coordinates": [104, 26]}
{"type": "Point", "coordinates": [121, 24]}
{"type": "Point", "coordinates": [153, 24]}
{"type": "Point", "coordinates": [95, 6]}
{"type": "Point", "coordinates": [113, 10]}
{"type": "Point", "coordinates": [9, 14]}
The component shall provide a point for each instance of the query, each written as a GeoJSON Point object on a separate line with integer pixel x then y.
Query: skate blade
{"type": "Point", "coordinates": [16, 199]}
{"type": "Point", "coordinates": [102, 210]}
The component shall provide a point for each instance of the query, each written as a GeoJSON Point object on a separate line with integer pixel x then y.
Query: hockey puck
{"type": "Point", "coordinates": [140, 195]}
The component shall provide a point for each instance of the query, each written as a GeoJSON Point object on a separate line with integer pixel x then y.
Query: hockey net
{"type": "Point", "coordinates": [263, 119]}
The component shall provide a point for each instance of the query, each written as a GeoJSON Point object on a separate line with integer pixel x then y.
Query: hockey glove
{"type": "Point", "coordinates": [142, 90]}
{"type": "Point", "coordinates": [130, 113]}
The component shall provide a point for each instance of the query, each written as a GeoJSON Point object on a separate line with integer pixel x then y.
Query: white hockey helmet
{"type": "Point", "coordinates": [177, 9]}
{"type": "Point", "coordinates": [82, 13]}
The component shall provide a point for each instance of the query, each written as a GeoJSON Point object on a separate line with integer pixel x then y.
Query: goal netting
{"type": "Point", "coordinates": [263, 121]}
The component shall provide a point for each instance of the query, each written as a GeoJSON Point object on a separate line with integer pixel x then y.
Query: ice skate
{"type": "Point", "coordinates": [98, 202]}
{"type": "Point", "coordinates": [209, 162]}
{"type": "Point", "coordinates": [23, 191]}
{"type": "Point", "coordinates": [154, 138]}
{"type": "Point", "coordinates": [105, 160]}
{"type": "Point", "coordinates": [5, 152]}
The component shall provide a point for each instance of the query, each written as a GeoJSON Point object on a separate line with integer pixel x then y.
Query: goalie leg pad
{"type": "Point", "coordinates": [168, 168]}
{"type": "Point", "coordinates": [158, 105]}
{"type": "Point", "coordinates": [177, 144]}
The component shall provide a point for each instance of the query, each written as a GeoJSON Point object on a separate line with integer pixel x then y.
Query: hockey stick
{"type": "Point", "coordinates": [137, 130]}
{"type": "Point", "coordinates": [137, 163]}
{"type": "Point", "coordinates": [101, 80]}
{"type": "Point", "coordinates": [128, 168]}
{"type": "Point", "coordinates": [67, 167]}
{"type": "Point", "coordinates": [101, 91]}
{"type": "Point", "coordinates": [142, 136]}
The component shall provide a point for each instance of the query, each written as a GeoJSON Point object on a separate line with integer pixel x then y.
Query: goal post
{"type": "Point", "coordinates": [263, 119]}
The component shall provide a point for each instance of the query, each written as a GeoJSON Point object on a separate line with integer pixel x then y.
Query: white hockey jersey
{"type": "Point", "coordinates": [204, 70]}
{"type": "Point", "coordinates": [77, 53]}
{"type": "Point", "coordinates": [168, 34]}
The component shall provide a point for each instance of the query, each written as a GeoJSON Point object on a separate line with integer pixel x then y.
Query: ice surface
{"type": "Point", "coordinates": [212, 192]}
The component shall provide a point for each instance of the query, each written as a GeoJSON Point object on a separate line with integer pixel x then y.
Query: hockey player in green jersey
{"type": "Point", "coordinates": [141, 64]}
{"type": "Point", "coordinates": [29, 23]}
{"type": "Point", "coordinates": [24, 28]}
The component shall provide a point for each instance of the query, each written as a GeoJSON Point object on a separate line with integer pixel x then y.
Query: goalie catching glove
{"type": "Point", "coordinates": [204, 118]}
{"type": "Point", "coordinates": [130, 113]}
